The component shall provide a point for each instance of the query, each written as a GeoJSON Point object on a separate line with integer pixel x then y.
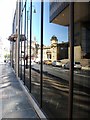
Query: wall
{"type": "Point", "coordinates": [77, 53]}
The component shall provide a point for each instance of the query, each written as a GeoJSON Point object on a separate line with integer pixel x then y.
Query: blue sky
{"type": "Point", "coordinates": [50, 29]}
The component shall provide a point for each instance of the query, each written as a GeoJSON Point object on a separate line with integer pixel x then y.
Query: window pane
{"type": "Point", "coordinates": [81, 103]}
{"type": "Point", "coordinates": [55, 77]}
{"type": "Point", "coordinates": [35, 51]}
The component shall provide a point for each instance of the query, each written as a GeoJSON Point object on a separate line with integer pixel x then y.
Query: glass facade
{"type": "Point", "coordinates": [57, 75]}
{"type": "Point", "coordinates": [81, 95]}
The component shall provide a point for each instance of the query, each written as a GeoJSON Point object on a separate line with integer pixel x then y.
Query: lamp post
{"type": "Point", "coordinates": [30, 42]}
{"type": "Point", "coordinates": [27, 33]}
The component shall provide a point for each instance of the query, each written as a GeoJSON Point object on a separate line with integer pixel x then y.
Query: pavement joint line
{"type": "Point", "coordinates": [34, 105]}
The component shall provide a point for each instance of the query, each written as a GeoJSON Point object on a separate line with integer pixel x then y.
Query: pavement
{"type": "Point", "coordinates": [14, 103]}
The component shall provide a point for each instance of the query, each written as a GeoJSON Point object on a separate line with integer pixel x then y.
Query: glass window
{"type": "Point", "coordinates": [81, 95]}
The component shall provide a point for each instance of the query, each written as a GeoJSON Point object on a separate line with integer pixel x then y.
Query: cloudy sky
{"type": "Point", "coordinates": [7, 8]}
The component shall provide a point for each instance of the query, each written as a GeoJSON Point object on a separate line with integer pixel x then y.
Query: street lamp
{"type": "Point", "coordinates": [30, 40]}
{"type": "Point", "coordinates": [34, 11]}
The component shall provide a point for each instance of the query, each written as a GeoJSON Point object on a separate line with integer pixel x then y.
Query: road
{"type": "Point", "coordinates": [56, 90]}
{"type": "Point", "coordinates": [80, 77]}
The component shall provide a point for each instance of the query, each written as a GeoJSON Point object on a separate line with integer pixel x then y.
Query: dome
{"type": "Point", "coordinates": [54, 38]}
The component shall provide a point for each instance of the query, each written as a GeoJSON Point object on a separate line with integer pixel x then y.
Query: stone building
{"type": "Point", "coordinates": [56, 51]}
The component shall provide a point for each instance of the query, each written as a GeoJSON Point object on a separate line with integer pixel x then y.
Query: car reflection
{"type": "Point", "coordinates": [56, 91]}
{"type": "Point", "coordinates": [77, 65]}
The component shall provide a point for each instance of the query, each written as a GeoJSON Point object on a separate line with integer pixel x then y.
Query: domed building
{"type": "Point", "coordinates": [56, 51]}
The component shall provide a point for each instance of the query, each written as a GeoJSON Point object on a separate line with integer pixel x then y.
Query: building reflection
{"type": "Point", "coordinates": [55, 80]}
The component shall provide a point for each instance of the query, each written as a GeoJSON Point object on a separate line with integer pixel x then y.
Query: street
{"type": "Point", "coordinates": [56, 90]}
{"type": "Point", "coordinates": [79, 75]}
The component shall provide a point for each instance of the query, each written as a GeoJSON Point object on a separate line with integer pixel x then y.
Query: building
{"type": "Point", "coordinates": [1, 51]}
{"type": "Point", "coordinates": [60, 15]}
{"type": "Point", "coordinates": [59, 50]}
{"type": "Point", "coordinates": [4, 52]}
{"type": "Point", "coordinates": [56, 51]}
{"type": "Point", "coordinates": [60, 93]}
{"type": "Point", "coordinates": [75, 15]}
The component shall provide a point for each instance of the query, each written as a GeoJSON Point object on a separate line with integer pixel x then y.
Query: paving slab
{"type": "Point", "coordinates": [14, 103]}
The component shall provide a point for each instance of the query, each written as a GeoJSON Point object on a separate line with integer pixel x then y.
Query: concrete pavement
{"type": "Point", "coordinates": [14, 103]}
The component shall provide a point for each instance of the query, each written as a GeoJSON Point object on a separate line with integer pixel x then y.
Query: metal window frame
{"type": "Point", "coordinates": [27, 34]}
{"type": "Point", "coordinates": [30, 46]}
{"type": "Point", "coordinates": [70, 101]}
{"type": "Point", "coordinates": [24, 41]}
{"type": "Point", "coordinates": [70, 104]}
{"type": "Point", "coordinates": [21, 44]}
{"type": "Point", "coordinates": [41, 66]}
{"type": "Point", "coordinates": [19, 14]}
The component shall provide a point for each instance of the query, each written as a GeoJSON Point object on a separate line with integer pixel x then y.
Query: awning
{"type": "Point", "coordinates": [13, 37]}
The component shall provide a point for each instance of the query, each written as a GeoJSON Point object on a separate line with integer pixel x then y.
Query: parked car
{"type": "Point", "coordinates": [44, 62]}
{"type": "Point", "coordinates": [57, 63]}
{"type": "Point", "coordinates": [37, 60]}
{"type": "Point", "coordinates": [48, 62]}
{"type": "Point", "coordinates": [66, 65]}
{"type": "Point", "coordinates": [77, 65]}
{"type": "Point", "coordinates": [87, 67]}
